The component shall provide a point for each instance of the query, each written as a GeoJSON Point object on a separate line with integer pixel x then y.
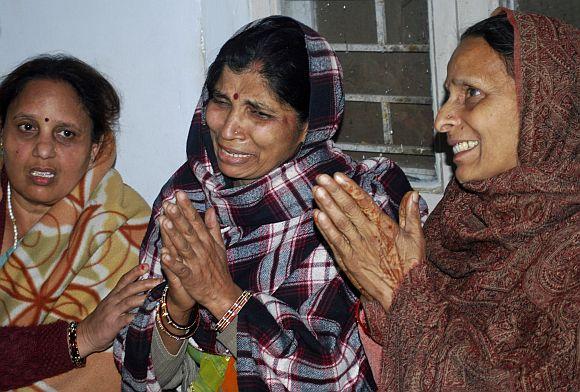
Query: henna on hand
{"type": "Point", "coordinates": [374, 252]}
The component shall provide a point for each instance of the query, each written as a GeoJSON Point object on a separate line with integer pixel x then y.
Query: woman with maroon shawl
{"type": "Point", "coordinates": [489, 298]}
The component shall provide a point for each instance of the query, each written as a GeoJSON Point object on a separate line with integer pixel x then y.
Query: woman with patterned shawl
{"type": "Point", "coordinates": [494, 305]}
{"type": "Point", "coordinates": [70, 226]}
{"type": "Point", "coordinates": [276, 83]}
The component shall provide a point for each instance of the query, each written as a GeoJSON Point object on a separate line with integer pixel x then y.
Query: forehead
{"type": "Point", "coordinates": [55, 93]}
{"type": "Point", "coordinates": [474, 58]}
{"type": "Point", "coordinates": [249, 84]}
{"type": "Point", "coordinates": [55, 100]}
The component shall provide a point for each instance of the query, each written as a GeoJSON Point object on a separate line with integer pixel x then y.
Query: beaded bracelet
{"type": "Point", "coordinates": [171, 334]}
{"type": "Point", "coordinates": [73, 348]}
{"type": "Point", "coordinates": [165, 313]}
{"type": "Point", "coordinates": [232, 312]}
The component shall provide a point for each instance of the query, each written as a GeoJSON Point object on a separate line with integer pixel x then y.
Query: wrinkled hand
{"type": "Point", "coordinates": [98, 330]}
{"type": "Point", "coordinates": [374, 252]}
{"type": "Point", "coordinates": [194, 260]}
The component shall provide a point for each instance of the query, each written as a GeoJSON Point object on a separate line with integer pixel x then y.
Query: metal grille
{"type": "Point", "coordinates": [415, 156]}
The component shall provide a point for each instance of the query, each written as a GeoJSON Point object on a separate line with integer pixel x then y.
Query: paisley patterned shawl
{"type": "Point", "coordinates": [497, 305]}
{"type": "Point", "coordinates": [298, 330]}
{"type": "Point", "coordinates": [70, 260]}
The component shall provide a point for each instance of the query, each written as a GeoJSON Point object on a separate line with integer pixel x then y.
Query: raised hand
{"type": "Point", "coordinates": [374, 252]}
{"type": "Point", "coordinates": [195, 258]}
{"type": "Point", "coordinates": [178, 299]}
{"type": "Point", "coordinates": [98, 330]}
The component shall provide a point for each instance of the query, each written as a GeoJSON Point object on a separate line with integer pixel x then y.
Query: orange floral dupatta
{"type": "Point", "coordinates": [72, 258]}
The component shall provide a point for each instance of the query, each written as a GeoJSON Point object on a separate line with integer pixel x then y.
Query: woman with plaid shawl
{"type": "Point", "coordinates": [248, 275]}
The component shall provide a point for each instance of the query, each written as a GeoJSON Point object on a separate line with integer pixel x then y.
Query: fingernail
{"type": "Point", "coordinates": [415, 197]}
{"type": "Point", "coordinates": [168, 224]}
{"type": "Point", "coordinates": [323, 179]}
{"type": "Point", "coordinates": [340, 177]}
{"type": "Point", "coordinates": [319, 192]}
{"type": "Point", "coordinates": [144, 267]}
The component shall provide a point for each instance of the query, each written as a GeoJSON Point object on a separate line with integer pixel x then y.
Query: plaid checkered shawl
{"type": "Point", "coordinates": [298, 331]}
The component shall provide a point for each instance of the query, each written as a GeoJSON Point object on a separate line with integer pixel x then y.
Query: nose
{"type": "Point", "coordinates": [447, 117]}
{"type": "Point", "coordinates": [45, 147]}
{"type": "Point", "coordinates": [232, 127]}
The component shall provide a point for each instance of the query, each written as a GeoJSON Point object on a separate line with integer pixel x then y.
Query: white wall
{"type": "Point", "coordinates": [149, 51]}
{"type": "Point", "coordinates": [221, 19]}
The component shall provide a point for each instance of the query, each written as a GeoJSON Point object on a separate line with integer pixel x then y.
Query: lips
{"type": "Point", "coordinates": [464, 146]}
{"type": "Point", "coordinates": [232, 156]}
{"type": "Point", "coordinates": [42, 176]}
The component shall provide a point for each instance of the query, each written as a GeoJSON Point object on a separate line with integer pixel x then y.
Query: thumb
{"type": "Point", "coordinates": [409, 217]}
{"type": "Point", "coordinates": [213, 226]}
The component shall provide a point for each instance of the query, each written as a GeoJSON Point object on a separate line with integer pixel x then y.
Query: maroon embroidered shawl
{"type": "Point", "coordinates": [497, 305]}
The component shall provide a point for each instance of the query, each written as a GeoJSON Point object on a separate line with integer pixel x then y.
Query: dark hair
{"type": "Point", "coordinates": [276, 47]}
{"type": "Point", "coordinates": [499, 34]}
{"type": "Point", "coordinates": [98, 96]}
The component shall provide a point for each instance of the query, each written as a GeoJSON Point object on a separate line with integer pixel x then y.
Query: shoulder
{"type": "Point", "coordinates": [114, 195]}
{"type": "Point", "coordinates": [552, 280]}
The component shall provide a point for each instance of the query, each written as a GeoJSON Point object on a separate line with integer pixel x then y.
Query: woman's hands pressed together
{"type": "Point", "coordinates": [194, 261]}
{"type": "Point", "coordinates": [374, 252]}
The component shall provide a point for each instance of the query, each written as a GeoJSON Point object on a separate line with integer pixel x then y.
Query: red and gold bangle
{"type": "Point", "coordinates": [73, 348]}
{"type": "Point", "coordinates": [163, 314]}
{"type": "Point", "coordinates": [361, 317]}
{"type": "Point", "coordinates": [232, 312]}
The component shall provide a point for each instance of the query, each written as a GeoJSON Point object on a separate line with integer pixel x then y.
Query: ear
{"type": "Point", "coordinates": [303, 131]}
{"type": "Point", "coordinates": [95, 149]}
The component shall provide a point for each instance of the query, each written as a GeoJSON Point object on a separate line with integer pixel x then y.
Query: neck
{"type": "Point", "coordinates": [237, 182]}
{"type": "Point", "coordinates": [26, 214]}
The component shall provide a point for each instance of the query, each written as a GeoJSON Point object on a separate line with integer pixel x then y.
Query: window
{"type": "Point", "coordinates": [385, 59]}
{"type": "Point", "coordinates": [392, 33]}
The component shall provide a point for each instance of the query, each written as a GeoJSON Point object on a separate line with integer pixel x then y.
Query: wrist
{"type": "Point", "coordinates": [232, 312]}
{"type": "Point", "coordinates": [386, 298]}
{"type": "Point", "coordinates": [222, 304]}
{"type": "Point", "coordinates": [175, 329]}
{"type": "Point", "coordinates": [83, 343]}
{"type": "Point", "coordinates": [179, 315]}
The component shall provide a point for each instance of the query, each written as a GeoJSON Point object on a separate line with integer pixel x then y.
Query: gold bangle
{"type": "Point", "coordinates": [169, 333]}
{"type": "Point", "coordinates": [165, 313]}
{"type": "Point", "coordinates": [162, 311]}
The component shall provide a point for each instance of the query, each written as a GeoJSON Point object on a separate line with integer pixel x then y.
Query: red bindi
{"type": "Point", "coordinates": [46, 119]}
{"type": "Point", "coordinates": [236, 95]}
